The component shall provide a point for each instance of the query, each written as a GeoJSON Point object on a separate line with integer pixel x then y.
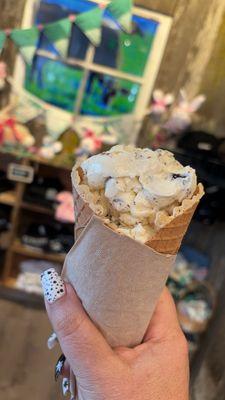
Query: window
{"type": "Point", "coordinates": [113, 79]}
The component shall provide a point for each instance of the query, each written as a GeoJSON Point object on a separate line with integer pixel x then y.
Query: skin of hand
{"type": "Point", "coordinates": [157, 369]}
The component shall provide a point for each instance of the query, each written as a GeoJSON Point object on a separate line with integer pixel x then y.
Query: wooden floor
{"type": "Point", "coordinates": [27, 365]}
{"type": "Point", "coordinates": [26, 370]}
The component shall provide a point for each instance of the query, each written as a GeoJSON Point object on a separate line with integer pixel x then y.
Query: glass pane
{"type": "Point", "coordinates": [108, 96]}
{"type": "Point", "coordinates": [54, 82]}
{"type": "Point", "coordinates": [117, 50]}
{"type": "Point", "coordinates": [126, 52]}
{"type": "Point", "coordinates": [53, 10]}
{"type": "Point", "coordinates": [58, 83]}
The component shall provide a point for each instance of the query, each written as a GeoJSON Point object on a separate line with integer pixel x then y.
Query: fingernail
{"type": "Point", "coordinates": [59, 366]}
{"type": "Point", "coordinates": [65, 386]}
{"type": "Point", "coordinates": [52, 341]}
{"type": "Point", "coordinates": [53, 285]}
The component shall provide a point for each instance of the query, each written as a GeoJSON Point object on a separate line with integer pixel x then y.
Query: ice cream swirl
{"type": "Point", "coordinates": [130, 185]}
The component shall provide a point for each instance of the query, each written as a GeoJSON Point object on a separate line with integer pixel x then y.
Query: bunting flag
{"type": "Point", "coordinates": [121, 10]}
{"type": "Point", "coordinates": [57, 121]}
{"type": "Point", "coordinates": [25, 109]}
{"type": "Point", "coordinates": [2, 40]}
{"type": "Point", "coordinates": [58, 33]}
{"type": "Point", "coordinates": [25, 106]}
{"type": "Point", "coordinates": [26, 40]}
{"type": "Point", "coordinates": [90, 23]}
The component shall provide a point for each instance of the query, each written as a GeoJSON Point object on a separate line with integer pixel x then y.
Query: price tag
{"type": "Point", "coordinates": [20, 173]}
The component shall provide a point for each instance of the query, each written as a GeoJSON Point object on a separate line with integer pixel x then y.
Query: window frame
{"type": "Point", "coordinates": [146, 82]}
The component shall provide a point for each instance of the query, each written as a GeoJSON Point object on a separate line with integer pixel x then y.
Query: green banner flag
{"type": "Point", "coordinates": [121, 10]}
{"type": "Point", "coordinates": [58, 33]}
{"type": "Point", "coordinates": [57, 121]}
{"type": "Point", "coordinates": [2, 40]}
{"type": "Point", "coordinates": [90, 23]}
{"type": "Point", "coordinates": [26, 40]}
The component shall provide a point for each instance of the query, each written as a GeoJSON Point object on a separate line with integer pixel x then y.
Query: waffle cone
{"type": "Point", "coordinates": [171, 229]}
{"type": "Point", "coordinates": [167, 239]}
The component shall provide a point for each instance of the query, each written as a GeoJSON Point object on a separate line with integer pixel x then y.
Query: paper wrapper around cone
{"type": "Point", "coordinates": [118, 279]}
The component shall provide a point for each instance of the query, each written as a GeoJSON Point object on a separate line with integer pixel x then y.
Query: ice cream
{"type": "Point", "coordinates": [129, 186]}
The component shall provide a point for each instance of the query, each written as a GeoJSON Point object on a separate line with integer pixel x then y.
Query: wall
{"type": "Point", "coordinates": [10, 18]}
{"type": "Point", "coordinates": [195, 54]}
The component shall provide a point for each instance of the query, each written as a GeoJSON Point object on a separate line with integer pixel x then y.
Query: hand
{"type": "Point", "coordinates": [157, 369]}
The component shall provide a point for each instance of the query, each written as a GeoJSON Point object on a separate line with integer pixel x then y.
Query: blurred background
{"type": "Point", "coordinates": [76, 77]}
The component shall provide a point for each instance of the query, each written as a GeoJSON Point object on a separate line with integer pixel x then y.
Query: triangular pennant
{"type": "Point", "coordinates": [2, 40]}
{"type": "Point", "coordinates": [121, 11]}
{"type": "Point", "coordinates": [25, 110]}
{"type": "Point", "coordinates": [57, 122]}
{"type": "Point", "coordinates": [90, 23]}
{"type": "Point", "coordinates": [26, 40]}
{"type": "Point", "coordinates": [58, 33]}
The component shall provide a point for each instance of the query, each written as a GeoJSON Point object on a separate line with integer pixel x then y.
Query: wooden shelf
{"type": "Point", "coordinates": [36, 208]}
{"type": "Point", "coordinates": [15, 199]}
{"type": "Point", "coordinates": [5, 240]}
{"type": "Point", "coordinates": [10, 283]}
{"type": "Point", "coordinates": [8, 198]}
{"type": "Point", "coordinates": [19, 248]}
{"type": "Point", "coordinates": [56, 162]}
{"type": "Point", "coordinates": [9, 291]}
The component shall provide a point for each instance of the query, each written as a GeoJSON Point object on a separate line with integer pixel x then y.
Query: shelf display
{"type": "Point", "coordinates": [26, 204]}
{"type": "Point", "coordinates": [28, 278]}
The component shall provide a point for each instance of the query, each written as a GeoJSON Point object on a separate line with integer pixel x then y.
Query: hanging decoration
{"type": "Point", "coordinates": [90, 23]}
{"type": "Point", "coordinates": [25, 110]}
{"type": "Point", "coordinates": [121, 11]}
{"type": "Point", "coordinates": [58, 33]}
{"type": "Point", "coordinates": [56, 121]}
{"type": "Point", "coordinates": [26, 40]}
{"type": "Point", "coordinates": [93, 134]}
{"type": "Point", "coordinates": [2, 40]}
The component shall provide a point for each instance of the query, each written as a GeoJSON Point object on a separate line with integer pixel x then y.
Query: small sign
{"type": "Point", "coordinates": [20, 173]}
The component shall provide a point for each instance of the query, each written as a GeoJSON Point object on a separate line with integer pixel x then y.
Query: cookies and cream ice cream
{"type": "Point", "coordinates": [129, 187]}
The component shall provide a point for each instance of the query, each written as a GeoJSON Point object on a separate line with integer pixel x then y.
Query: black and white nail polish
{"type": "Point", "coordinates": [53, 285]}
{"type": "Point", "coordinates": [52, 341]}
{"type": "Point", "coordinates": [59, 366]}
{"type": "Point", "coordinates": [65, 386]}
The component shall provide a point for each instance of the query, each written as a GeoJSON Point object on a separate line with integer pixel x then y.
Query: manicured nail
{"type": "Point", "coordinates": [59, 366]}
{"type": "Point", "coordinates": [65, 386]}
{"type": "Point", "coordinates": [52, 341]}
{"type": "Point", "coordinates": [53, 285]}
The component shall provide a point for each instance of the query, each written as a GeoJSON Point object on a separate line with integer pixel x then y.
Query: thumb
{"type": "Point", "coordinates": [83, 345]}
